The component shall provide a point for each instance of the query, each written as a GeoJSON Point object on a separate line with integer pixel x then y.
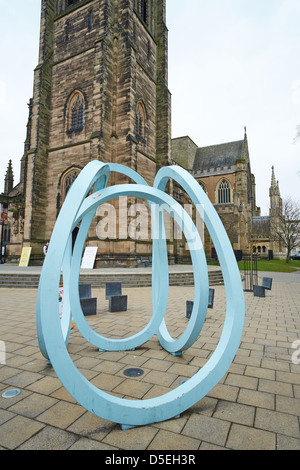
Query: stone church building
{"type": "Point", "coordinates": [224, 172]}
{"type": "Point", "coordinates": [101, 93]}
{"type": "Point", "coordinates": [264, 243]}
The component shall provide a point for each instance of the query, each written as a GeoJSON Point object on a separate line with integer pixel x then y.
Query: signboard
{"type": "Point", "coordinates": [3, 217]}
{"type": "Point", "coordinates": [89, 257]}
{"type": "Point", "coordinates": [25, 256]}
{"type": "Point", "coordinates": [3, 213]}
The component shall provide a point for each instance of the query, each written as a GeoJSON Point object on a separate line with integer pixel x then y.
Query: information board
{"type": "Point", "coordinates": [25, 256]}
{"type": "Point", "coordinates": [89, 257]}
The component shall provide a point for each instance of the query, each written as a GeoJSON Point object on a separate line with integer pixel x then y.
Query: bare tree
{"type": "Point", "coordinates": [285, 226]}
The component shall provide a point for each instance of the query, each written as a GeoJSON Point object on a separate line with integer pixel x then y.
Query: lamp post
{"type": "Point", "coordinates": [1, 244]}
{"type": "Point", "coordinates": [3, 218]}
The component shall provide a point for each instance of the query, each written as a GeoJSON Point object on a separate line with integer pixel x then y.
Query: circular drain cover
{"type": "Point", "coordinates": [133, 372]}
{"type": "Point", "coordinates": [11, 393]}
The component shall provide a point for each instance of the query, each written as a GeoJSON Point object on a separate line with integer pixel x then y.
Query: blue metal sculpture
{"type": "Point", "coordinates": [53, 333]}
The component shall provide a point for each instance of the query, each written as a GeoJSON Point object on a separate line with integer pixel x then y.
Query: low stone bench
{"type": "Point", "coordinates": [144, 262]}
{"type": "Point", "coordinates": [260, 291]}
{"type": "Point", "coordinates": [267, 283]}
{"type": "Point", "coordinates": [112, 288]}
{"type": "Point", "coordinates": [190, 303]}
{"type": "Point", "coordinates": [117, 303]}
{"type": "Point", "coordinates": [88, 303]}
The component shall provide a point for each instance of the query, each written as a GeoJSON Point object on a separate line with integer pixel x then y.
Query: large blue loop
{"type": "Point", "coordinates": [53, 340]}
{"type": "Point", "coordinates": [200, 268]}
{"type": "Point", "coordinates": [89, 205]}
{"type": "Point", "coordinates": [94, 173]}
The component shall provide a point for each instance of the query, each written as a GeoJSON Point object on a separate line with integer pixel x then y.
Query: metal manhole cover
{"type": "Point", "coordinates": [133, 372]}
{"type": "Point", "coordinates": [11, 393]}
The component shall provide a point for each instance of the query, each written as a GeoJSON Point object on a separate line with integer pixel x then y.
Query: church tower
{"type": "Point", "coordinates": [275, 197]}
{"type": "Point", "coordinates": [275, 212]}
{"type": "Point", "coordinates": [100, 93]}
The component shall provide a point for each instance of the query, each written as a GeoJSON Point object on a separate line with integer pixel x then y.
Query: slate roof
{"type": "Point", "coordinates": [217, 156]}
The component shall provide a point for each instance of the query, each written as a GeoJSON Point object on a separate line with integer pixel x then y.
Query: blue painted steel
{"type": "Point", "coordinates": [154, 196]}
{"type": "Point", "coordinates": [53, 333]}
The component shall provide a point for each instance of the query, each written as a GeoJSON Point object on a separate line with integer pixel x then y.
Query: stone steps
{"type": "Point", "coordinates": [132, 279]}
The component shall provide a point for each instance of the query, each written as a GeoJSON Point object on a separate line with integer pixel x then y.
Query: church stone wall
{"type": "Point", "coordinates": [113, 57]}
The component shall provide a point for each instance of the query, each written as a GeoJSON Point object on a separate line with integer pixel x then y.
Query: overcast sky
{"type": "Point", "coordinates": [232, 63]}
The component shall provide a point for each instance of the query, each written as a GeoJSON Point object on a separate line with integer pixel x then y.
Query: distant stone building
{"type": "Point", "coordinates": [100, 93]}
{"type": "Point", "coordinates": [262, 240]}
{"type": "Point", "coordinates": [224, 172]}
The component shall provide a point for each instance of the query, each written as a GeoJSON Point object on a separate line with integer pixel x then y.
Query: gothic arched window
{"type": "Point", "coordinates": [67, 181]}
{"type": "Point", "coordinates": [203, 187]}
{"type": "Point", "coordinates": [67, 31]}
{"type": "Point", "coordinates": [140, 121]}
{"type": "Point", "coordinates": [224, 192]}
{"type": "Point", "coordinates": [144, 12]}
{"type": "Point", "coordinates": [90, 20]}
{"type": "Point", "coordinates": [72, 2]}
{"type": "Point", "coordinates": [75, 112]}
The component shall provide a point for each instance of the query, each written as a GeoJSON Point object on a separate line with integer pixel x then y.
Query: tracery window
{"type": "Point", "coordinates": [144, 8]}
{"type": "Point", "coordinates": [65, 182]}
{"type": "Point", "coordinates": [140, 121]}
{"type": "Point", "coordinates": [68, 180]}
{"type": "Point", "coordinates": [203, 187]}
{"type": "Point", "coordinates": [76, 112]}
{"type": "Point", "coordinates": [63, 4]}
{"type": "Point", "coordinates": [71, 2]}
{"type": "Point", "coordinates": [145, 11]}
{"type": "Point", "coordinates": [67, 30]}
{"type": "Point", "coordinates": [224, 192]}
{"type": "Point", "coordinates": [90, 20]}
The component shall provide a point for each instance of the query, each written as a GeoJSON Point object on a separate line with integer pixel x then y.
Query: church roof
{"type": "Point", "coordinates": [218, 156]}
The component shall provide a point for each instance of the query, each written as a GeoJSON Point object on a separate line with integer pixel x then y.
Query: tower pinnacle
{"type": "Point", "coordinates": [9, 178]}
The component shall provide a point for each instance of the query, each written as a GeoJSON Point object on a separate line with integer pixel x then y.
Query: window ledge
{"type": "Point", "coordinates": [71, 132]}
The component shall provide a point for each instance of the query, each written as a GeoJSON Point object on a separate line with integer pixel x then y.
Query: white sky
{"type": "Point", "coordinates": [232, 63]}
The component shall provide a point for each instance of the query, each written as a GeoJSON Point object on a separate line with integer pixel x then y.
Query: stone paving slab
{"type": "Point", "coordinates": [255, 406]}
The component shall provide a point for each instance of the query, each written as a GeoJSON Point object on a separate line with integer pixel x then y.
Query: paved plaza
{"type": "Point", "coordinates": [255, 406]}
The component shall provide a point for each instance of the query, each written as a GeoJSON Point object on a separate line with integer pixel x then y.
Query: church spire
{"type": "Point", "coordinates": [273, 179]}
{"type": "Point", "coordinates": [9, 178]}
{"type": "Point", "coordinates": [275, 198]}
{"type": "Point", "coordinates": [274, 188]}
{"type": "Point", "coordinates": [245, 152]}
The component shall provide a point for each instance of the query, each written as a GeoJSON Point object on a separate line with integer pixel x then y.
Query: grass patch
{"type": "Point", "coordinates": [279, 266]}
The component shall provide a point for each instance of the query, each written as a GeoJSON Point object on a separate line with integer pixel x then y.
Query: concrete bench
{"type": "Point", "coordinates": [117, 303]}
{"type": "Point", "coordinates": [144, 262]}
{"type": "Point", "coordinates": [267, 283]}
{"type": "Point", "coordinates": [88, 303]}
{"type": "Point", "coordinates": [190, 303]}
{"type": "Point", "coordinates": [260, 291]}
{"type": "Point", "coordinates": [112, 288]}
